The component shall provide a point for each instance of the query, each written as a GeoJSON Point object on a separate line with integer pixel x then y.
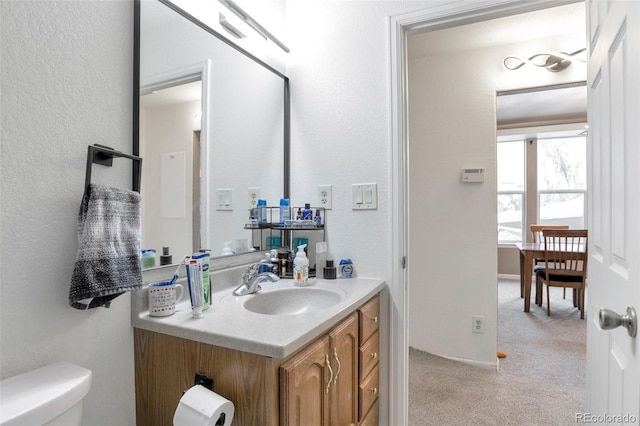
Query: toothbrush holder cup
{"type": "Point", "coordinates": [162, 298]}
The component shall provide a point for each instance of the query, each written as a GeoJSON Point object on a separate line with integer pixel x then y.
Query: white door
{"type": "Point", "coordinates": [613, 357]}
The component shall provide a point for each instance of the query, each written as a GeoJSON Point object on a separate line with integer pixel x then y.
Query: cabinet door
{"type": "Point", "coordinates": [343, 394]}
{"type": "Point", "coordinates": [304, 384]}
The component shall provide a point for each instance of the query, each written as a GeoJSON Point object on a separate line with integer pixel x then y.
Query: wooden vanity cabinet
{"type": "Point", "coordinates": [343, 344]}
{"type": "Point", "coordinates": [331, 381]}
{"type": "Point", "coordinates": [304, 398]}
{"type": "Point", "coordinates": [165, 367]}
{"type": "Point", "coordinates": [319, 386]}
{"type": "Point", "coordinates": [369, 365]}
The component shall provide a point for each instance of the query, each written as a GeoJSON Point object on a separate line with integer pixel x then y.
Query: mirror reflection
{"type": "Point", "coordinates": [212, 123]}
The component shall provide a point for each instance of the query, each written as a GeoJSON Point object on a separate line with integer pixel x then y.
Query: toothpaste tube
{"type": "Point", "coordinates": [196, 290]}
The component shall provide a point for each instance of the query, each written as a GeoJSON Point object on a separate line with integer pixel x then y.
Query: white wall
{"type": "Point", "coordinates": [66, 83]}
{"type": "Point", "coordinates": [340, 132]}
{"type": "Point", "coordinates": [453, 234]}
{"type": "Point", "coordinates": [167, 129]}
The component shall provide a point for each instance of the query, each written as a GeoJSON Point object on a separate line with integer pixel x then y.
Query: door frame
{"type": "Point", "coordinates": [438, 17]}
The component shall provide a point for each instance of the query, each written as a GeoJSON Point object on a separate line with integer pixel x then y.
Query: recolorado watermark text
{"type": "Point", "coordinates": [605, 418]}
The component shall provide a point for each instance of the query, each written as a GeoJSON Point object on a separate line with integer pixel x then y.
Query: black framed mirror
{"type": "Point", "coordinates": [211, 120]}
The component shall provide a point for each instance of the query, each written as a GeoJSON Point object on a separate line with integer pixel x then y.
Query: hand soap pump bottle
{"type": "Point", "coordinates": [226, 249]}
{"type": "Point", "coordinates": [301, 268]}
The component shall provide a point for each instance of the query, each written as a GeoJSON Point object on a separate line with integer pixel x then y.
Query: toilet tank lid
{"type": "Point", "coordinates": [40, 395]}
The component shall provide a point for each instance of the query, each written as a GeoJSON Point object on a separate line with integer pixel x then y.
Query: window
{"type": "Point", "coordinates": [562, 181]}
{"type": "Point", "coordinates": [560, 177]}
{"type": "Point", "coordinates": [511, 191]}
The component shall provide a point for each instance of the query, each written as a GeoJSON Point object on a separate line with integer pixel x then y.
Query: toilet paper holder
{"type": "Point", "coordinates": [202, 379]}
{"type": "Point", "coordinates": [201, 405]}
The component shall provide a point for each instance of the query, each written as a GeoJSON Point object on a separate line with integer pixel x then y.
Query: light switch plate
{"type": "Point", "coordinates": [324, 196]}
{"type": "Point", "coordinates": [254, 194]}
{"type": "Point", "coordinates": [224, 199]}
{"type": "Point", "coordinates": [365, 196]}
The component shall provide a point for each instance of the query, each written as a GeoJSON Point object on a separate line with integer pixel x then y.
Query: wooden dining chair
{"type": "Point", "coordinates": [536, 234]}
{"type": "Point", "coordinates": [565, 263]}
{"type": "Point", "coordinates": [536, 231]}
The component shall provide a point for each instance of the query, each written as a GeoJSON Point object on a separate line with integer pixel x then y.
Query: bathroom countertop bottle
{"type": "Point", "coordinates": [148, 258]}
{"type": "Point", "coordinates": [226, 249]}
{"type": "Point", "coordinates": [301, 268]}
{"type": "Point", "coordinates": [265, 264]}
{"type": "Point", "coordinates": [307, 213]}
{"type": "Point", "coordinates": [285, 213]}
{"type": "Point", "coordinates": [275, 262]}
{"type": "Point", "coordinates": [262, 211]}
{"type": "Point", "coordinates": [329, 271]}
{"type": "Point", "coordinates": [166, 258]}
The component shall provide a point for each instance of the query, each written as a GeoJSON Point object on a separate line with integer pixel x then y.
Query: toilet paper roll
{"type": "Point", "coordinates": [201, 407]}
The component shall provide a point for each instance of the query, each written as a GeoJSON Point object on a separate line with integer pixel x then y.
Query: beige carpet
{"type": "Point", "coordinates": [541, 382]}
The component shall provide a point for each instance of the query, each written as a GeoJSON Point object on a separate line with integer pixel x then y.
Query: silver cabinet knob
{"type": "Point", "coordinates": [610, 320]}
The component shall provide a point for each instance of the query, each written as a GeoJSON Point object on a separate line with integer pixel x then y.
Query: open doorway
{"type": "Point", "coordinates": [171, 122]}
{"type": "Point", "coordinates": [452, 82]}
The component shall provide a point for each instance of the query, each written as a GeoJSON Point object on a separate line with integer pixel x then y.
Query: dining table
{"type": "Point", "coordinates": [528, 253]}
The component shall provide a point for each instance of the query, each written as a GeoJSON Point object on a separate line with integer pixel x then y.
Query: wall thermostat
{"type": "Point", "coordinates": [472, 175]}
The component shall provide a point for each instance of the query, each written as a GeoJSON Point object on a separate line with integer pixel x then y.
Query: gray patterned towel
{"type": "Point", "coordinates": [108, 259]}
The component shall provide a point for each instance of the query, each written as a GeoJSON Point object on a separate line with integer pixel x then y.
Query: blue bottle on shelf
{"type": "Point", "coordinates": [307, 213]}
{"type": "Point", "coordinates": [262, 211]}
{"type": "Point", "coordinates": [285, 213]}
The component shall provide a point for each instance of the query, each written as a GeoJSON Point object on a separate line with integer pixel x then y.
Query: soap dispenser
{"type": "Point", "coordinates": [301, 268]}
{"type": "Point", "coordinates": [226, 250]}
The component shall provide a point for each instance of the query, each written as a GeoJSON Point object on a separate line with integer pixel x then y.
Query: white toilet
{"type": "Point", "coordinates": [50, 395]}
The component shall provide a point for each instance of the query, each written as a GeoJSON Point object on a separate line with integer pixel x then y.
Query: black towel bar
{"type": "Point", "coordinates": [103, 155]}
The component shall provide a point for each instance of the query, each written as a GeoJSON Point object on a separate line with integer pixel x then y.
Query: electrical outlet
{"type": "Point", "coordinates": [254, 194]}
{"type": "Point", "coordinates": [324, 196]}
{"type": "Point", "coordinates": [477, 325]}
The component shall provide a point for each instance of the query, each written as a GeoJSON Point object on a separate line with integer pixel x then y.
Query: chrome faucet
{"type": "Point", "coordinates": [251, 280]}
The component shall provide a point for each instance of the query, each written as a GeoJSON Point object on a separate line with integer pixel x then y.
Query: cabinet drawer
{"type": "Point", "coordinates": [368, 392]}
{"type": "Point", "coordinates": [369, 353]}
{"type": "Point", "coordinates": [369, 315]}
{"type": "Point", "coordinates": [372, 418]}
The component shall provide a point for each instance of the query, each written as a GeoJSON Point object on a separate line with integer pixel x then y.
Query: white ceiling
{"type": "Point", "coordinates": [560, 105]}
{"type": "Point", "coordinates": [568, 19]}
{"type": "Point", "coordinates": [565, 104]}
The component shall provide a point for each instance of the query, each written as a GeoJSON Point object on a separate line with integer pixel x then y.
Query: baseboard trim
{"type": "Point", "coordinates": [508, 276]}
{"type": "Point", "coordinates": [484, 364]}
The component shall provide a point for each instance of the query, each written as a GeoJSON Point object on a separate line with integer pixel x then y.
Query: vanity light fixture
{"type": "Point", "coordinates": [229, 4]}
{"type": "Point", "coordinates": [230, 27]}
{"type": "Point", "coordinates": [551, 61]}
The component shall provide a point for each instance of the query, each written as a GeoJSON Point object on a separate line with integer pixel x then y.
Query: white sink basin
{"type": "Point", "coordinates": [292, 301]}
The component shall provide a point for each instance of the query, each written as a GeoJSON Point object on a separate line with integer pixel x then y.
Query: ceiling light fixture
{"type": "Point", "coordinates": [553, 62]}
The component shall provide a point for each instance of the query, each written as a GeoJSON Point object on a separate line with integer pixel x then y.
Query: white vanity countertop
{"type": "Point", "coordinates": [229, 324]}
